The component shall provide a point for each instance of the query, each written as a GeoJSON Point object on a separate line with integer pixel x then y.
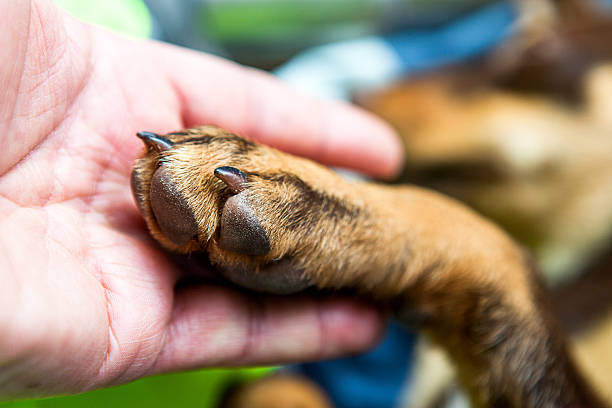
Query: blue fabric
{"type": "Point", "coordinates": [371, 380]}
{"type": "Point", "coordinates": [464, 38]}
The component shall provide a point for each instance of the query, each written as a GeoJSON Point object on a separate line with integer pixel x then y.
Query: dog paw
{"type": "Point", "coordinates": [264, 217]}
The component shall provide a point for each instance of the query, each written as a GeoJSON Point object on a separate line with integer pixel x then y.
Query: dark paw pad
{"type": "Point", "coordinates": [172, 213]}
{"type": "Point", "coordinates": [240, 231]}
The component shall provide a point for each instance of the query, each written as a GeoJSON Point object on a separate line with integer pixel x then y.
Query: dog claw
{"type": "Point", "coordinates": [235, 179]}
{"type": "Point", "coordinates": [155, 141]}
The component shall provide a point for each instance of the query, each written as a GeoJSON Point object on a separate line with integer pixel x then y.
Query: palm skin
{"type": "Point", "coordinates": [88, 299]}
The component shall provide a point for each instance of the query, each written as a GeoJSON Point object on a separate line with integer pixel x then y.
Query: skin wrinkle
{"type": "Point", "coordinates": [104, 161]}
{"type": "Point", "coordinates": [256, 315]}
{"type": "Point", "coordinates": [85, 198]}
{"type": "Point", "coordinates": [100, 278]}
{"type": "Point", "coordinates": [12, 202]}
{"type": "Point", "coordinates": [322, 329]}
{"type": "Point", "coordinates": [259, 319]}
{"type": "Point", "coordinates": [163, 345]}
{"type": "Point", "coordinates": [104, 289]}
{"type": "Point", "coordinates": [109, 360]}
{"type": "Point", "coordinates": [89, 199]}
{"type": "Point", "coordinates": [53, 169]}
{"type": "Point", "coordinates": [36, 14]}
{"type": "Point", "coordinates": [111, 342]}
{"type": "Point", "coordinates": [53, 68]}
{"type": "Point", "coordinates": [21, 72]}
{"type": "Point", "coordinates": [108, 161]}
{"type": "Point", "coordinates": [63, 245]}
{"type": "Point", "coordinates": [23, 69]}
{"type": "Point", "coordinates": [132, 371]}
{"type": "Point", "coordinates": [69, 109]}
{"type": "Point", "coordinates": [138, 356]}
{"type": "Point", "coordinates": [57, 102]}
{"type": "Point", "coordinates": [175, 332]}
{"type": "Point", "coordinates": [169, 334]}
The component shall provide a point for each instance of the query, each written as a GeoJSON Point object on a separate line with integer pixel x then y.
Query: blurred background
{"type": "Point", "coordinates": [505, 105]}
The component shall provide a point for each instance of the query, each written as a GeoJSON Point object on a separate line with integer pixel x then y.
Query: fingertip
{"type": "Point", "coordinates": [358, 140]}
{"type": "Point", "coordinates": [384, 149]}
{"type": "Point", "coordinates": [391, 153]}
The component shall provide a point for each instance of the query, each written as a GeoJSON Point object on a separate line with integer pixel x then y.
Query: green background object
{"type": "Point", "coordinates": [128, 17]}
{"type": "Point", "coordinates": [270, 20]}
{"type": "Point", "coordinates": [201, 389]}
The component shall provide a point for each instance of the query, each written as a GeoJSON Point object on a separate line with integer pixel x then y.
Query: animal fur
{"type": "Point", "coordinates": [522, 134]}
{"type": "Point", "coordinates": [538, 167]}
{"type": "Point", "coordinates": [432, 260]}
{"type": "Point", "coordinates": [276, 391]}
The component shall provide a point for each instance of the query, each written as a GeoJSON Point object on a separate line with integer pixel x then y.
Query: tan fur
{"type": "Point", "coordinates": [278, 391]}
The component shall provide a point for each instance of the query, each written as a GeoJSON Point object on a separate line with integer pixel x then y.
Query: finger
{"type": "Point", "coordinates": [216, 326]}
{"type": "Point", "coordinates": [255, 104]}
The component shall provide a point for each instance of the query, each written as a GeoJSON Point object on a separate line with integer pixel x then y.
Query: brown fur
{"type": "Point", "coordinates": [426, 255]}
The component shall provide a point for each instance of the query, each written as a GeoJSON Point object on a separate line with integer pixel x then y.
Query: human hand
{"type": "Point", "coordinates": [88, 299]}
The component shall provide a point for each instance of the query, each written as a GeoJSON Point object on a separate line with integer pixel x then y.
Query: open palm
{"type": "Point", "coordinates": [87, 298]}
